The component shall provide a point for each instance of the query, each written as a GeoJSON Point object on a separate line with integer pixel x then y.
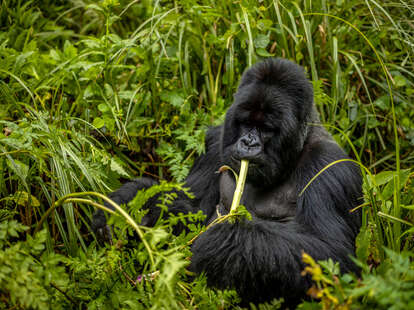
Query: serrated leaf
{"type": "Point", "coordinates": [362, 244]}
{"type": "Point", "coordinates": [22, 199]}
{"type": "Point", "coordinates": [261, 41]}
{"type": "Point", "coordinates": [116, 167]}
{"type": "Point", "coordinates": [157, 235]}
{"type": "Point", "coordinates": [175, 98]}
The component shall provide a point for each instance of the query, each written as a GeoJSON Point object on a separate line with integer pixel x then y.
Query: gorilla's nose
{"type": "Point", "coordinates": [249, 146]}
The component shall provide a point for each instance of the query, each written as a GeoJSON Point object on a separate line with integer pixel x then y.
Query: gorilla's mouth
{"type": "Point", "coordinates": [256, 173]}
{"type": "Point", "coordinates": [253, 163]}
{"type": "Point", "coordinates": [279, 219]}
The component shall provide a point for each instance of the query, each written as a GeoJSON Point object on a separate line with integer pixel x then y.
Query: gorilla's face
{"type": "Point", "coordinates": [266, 123]}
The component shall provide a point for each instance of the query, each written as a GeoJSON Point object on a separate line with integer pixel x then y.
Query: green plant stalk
{"type": "Point", "coordinates": [73, 197]}
{"type": "Point", "coordinates": [284, 44]}
{"type": "Point", "coordinates": [395, 219]}
{"type": "Point", "coordinates": [249, 33]}
{"type": "Point", "coordinates": [240, 185]}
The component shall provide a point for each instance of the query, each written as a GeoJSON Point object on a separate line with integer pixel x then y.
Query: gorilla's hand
{"type": "Point", "coordinates": [227, 188]}
{"type": "Point", "coordinates": [122, 196]}
{"type": "Point", "coordinates": [100, 228]}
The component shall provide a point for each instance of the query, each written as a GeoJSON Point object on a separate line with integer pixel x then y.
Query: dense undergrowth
{"type": "Point", "coordinates": [96, 92]}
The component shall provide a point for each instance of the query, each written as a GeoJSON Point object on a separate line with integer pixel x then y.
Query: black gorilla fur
{"type": "Point", "coordinates": [273, 124]}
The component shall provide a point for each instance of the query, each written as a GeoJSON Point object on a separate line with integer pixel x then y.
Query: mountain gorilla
{"type": "Point", "coordinates": [273, 124]}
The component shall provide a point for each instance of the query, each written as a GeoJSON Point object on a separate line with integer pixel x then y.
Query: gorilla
{"type": "Point", "coordinates": [274, 125]}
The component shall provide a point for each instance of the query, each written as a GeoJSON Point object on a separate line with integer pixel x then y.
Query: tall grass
{"type": "Point", "coordinates": [93, 93]}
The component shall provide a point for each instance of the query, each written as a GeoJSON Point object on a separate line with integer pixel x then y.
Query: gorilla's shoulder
{"type": "Point", "coordinates": [320, 150]}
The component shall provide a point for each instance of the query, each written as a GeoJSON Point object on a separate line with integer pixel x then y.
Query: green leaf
{"type": "Point", "coordinates": [116, 167]}
{"type": "Point", "coordinates": [383, 177]}
{"type": "Point", "coordinates": [175, 98]}
{"type": "Point", "coordinates": [400, 81]}
{"type": "Point", "coordinates": [98, 122]}
{"type": "Point", "coordinates": [22, 198]}
{"type": "Point", "coordinates": [20, 168]}
{"type": "Point", "coordinates": [103, 107]}
{"type": "Point", "coordinates": [262, 52]}
{"type": "Point", "coordinates": [69, 50]}
{"type": "Point", "coordinates": [261, 41]}
{"type": "Point", "coordinates": [94, 7]}
{"type": "Point", "coordinates": [387, 177]}
{"type": "Point", "coordinates": [157, 235]}
{"type": "Point", "coordinates": [383, 102]}
{"type": "Point", "coordinates": [363, 241]}
{"type": "Point", "coordinates": [264, 24]}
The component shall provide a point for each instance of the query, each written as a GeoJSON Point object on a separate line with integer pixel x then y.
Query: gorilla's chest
{"type": "Point", "coordinates": [278, 203]}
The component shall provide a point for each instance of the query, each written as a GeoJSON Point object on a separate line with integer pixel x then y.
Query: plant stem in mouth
{"type": "Point", "coordinates": [240, 185]}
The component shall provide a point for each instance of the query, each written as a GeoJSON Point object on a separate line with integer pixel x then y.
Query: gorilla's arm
{"type": "Point", "coordinates": [263, 258]}
{"type": "Point", "coordinates": [202, 182]}
{"type": "Point", "coordinates": [121, 196]}
{"type": "Point", "coordinates": [326, 204]}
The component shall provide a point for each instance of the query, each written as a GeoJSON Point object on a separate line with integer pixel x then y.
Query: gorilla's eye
{"type": "Point", "coordinates": [237, 124]}
{"type": "Point", "coordinates": [257, 116]}
{"type": "Point", "coordinates": [267, 134]}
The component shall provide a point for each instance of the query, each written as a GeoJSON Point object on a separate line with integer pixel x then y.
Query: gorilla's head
{"type": "Point", "coordinates": [267, 123]}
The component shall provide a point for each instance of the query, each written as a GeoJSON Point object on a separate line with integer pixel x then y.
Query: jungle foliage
{"type": "Point", "coordinates": [96, 92]}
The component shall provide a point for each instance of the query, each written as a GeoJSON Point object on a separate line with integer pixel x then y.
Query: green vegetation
{"type": "Point", "coordinates": [95, 92]}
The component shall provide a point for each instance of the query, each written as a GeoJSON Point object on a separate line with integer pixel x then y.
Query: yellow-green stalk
{"type": "Point", "coordinates": [240, 185]}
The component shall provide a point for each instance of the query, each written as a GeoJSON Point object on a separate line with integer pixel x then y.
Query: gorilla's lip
{"type": "Point", "coordinates": [278, 219]}
{"type": "Point", "coordinates": [253, 163]}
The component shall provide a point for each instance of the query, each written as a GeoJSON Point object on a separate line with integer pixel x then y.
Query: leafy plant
{"type": "Point", "coordinates": [95, 92]}
{"type": "Point", "coordinates": [30, 276]}
{"type": "Point", "coordinates": [388, 286]}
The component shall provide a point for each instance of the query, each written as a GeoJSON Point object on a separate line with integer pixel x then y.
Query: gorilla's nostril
{"type": "Point", "coordinates": [250, 141]}
{"type": "Point", "coordinates": [245, 142]}
{"type": "Point", "coordinates": [255, 144]}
